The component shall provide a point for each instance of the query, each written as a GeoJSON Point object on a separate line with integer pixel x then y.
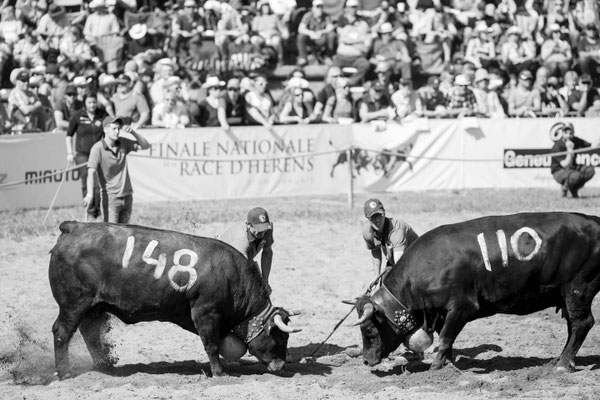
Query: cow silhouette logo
{"type": "Point", "coordinates": [384, 162]}
{"type": "Point", "coordinates": [372, 204]}
{"type": "Point", "coordinates": [262, 218]}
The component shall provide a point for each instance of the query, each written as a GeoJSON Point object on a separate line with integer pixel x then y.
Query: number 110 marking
{"type": "Point", "coordinates": [514, 244]}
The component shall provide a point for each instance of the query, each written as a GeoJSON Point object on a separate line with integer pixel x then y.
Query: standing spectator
{"type": "Point", "coordinates": [231, 107]}
{"type": "Point", "coordinates": [66, 109]}
{"type": "Point", "coordinates": [333, 74]}
{"type": "Point", "coordinates": [481, 49]}
{"type": "Point", "coordinates": [340, 107]}
{"type": "Point", "coordinates": [354, 43]}
{"type": "Point", "coordinates": [84, 130]}
{"type": "Point", "coordinates": [461, 100]}
{"type": "Point", "coordinates": [109, 158]}
{"type": "Point", "coordinates": [295, 110]}
{"type": "Point", "coordinates": [565, 170]}
{"type": "Point", "coordinates": [583, 96]}
{"type": "Point", "coordinates": [25, 109]}
{"type": "Point", "coordinates": [588, 48]}
{"type": "Point", "coordinates": [317, 31]}
{"type": "Point", "coordinates": [552, 103]}
{"type": "Point", "coordinates": [555, 53]}
{"type": "Point", "coordinates": [99, 23]}
{"type": "Point", "coordinates": [517, 54]}
{"type": "Point", "coordinates": [209, 106]}
{"type": "Point", "coordinates": [488, 102]}
{"type": "Point", "coordinates": [74, 48]}
{"type": "Point", "coordinates": [170, 113]}
{"type": "Point", "coordinates": [523, 101]}
{"type": "Point", "coordinates": [375, 105]}
{"type": "Point", "coordinates": [130, 105]}
{"type": "Point", "coordinates": [432, 101]}
{"type": "Point", "coordinates": [259, 104]}
{"type": "Point", "coordinates": [269, 30]}
{"type": "Point", "coordinates": [405, 99]}
{"type": "Point", "coordinates": [392, 50]}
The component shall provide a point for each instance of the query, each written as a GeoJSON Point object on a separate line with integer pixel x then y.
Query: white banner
{"type": "Point", "coordinates": [209, 163]}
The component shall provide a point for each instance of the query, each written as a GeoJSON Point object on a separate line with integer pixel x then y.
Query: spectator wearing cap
{"type": "Point", "coordinates": [432, 101]}
{"type": "Point", "coordinates": [317, 32]}
{"type": "Point", "coordinates": [552, 103]}
{"type": "Point", "coordinates": [130, 105]}
{"type": "Point", "coordinates": [170, 113]}
{"type": "Point", "coordinates": [269, 29]}
{"type": "Point", "coordinates": [67, 108]}
{"type": "Point", "coordinates": [10, 27]}
{"type": "Point", "coordinates": [25, 109]}
{"type": "Point", "coordinates": [28, 51]}
{"type": "Point", "coordinates": [252, 237]}
{"type": "Point", "coordinates": [340, 107]}
{"type": "Point", "coordinates": [108, 157]}
{"type": "Point", "coordinates": [588, 49]}
{"type": "Point", "coordinates": [523, 101]}
{"type": "Point", "coordinates": [53, 25]}
{"type": "Point", "coordinates": [385, 237]}
{"type": "Point", "coordinates": [354, 43]}
{"type": "Point", "coordinates": [488, 102]}
{"type": "Point", "coordinates": [260, 107]}
{"type": "Point", "coordinates": [100, 22]}
{"type": "Point", "coordinates": [209, 106]}
{"type": "Point", "coordinates": [232, 107]}
{"type": "Point", "coordinates": [386, 48]}
{"type": "Point", "coordinates": [481, 49]}
{"type": "Point", "coordinates": [295, 109]}
{"type": "Point", "coordinates": [74, 48]}
{"type": "Point", "coordinates": [555, 53]}
{"type": "Point", "coordinates": [405, 99]}
{"type": "Point", "coordinates": [583, 96]}
{"type": "Point", "coordinates": [461, 100]}
{"type": "Point", "coordinates": [83, 131]}
{"type": "Point", "coordinates": [517, 54]}
{"type": "Point", "coordinates": [375, 105]}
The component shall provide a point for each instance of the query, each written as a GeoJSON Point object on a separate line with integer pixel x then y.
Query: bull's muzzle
{"type": "Point", "coordinates": [276, 365]}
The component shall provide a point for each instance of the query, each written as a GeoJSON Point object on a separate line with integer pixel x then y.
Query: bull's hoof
{"type": "Point", "coordinates": [63, 375]}
{"type": "Point", "coordinates": [561, 368]}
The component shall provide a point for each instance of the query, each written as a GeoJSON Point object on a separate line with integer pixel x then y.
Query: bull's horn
{"type": "Point", "coordinates": [293, 313]}
{"type": "Point", "coordinates": [368, 311]}
{"type": "Point", "coordinates": [350, 302]}
{"type": "Point", "coordinates": [283, 327]}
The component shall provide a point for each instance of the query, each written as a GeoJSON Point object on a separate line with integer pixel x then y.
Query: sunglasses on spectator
{"type": "Point", "coordinates": [233, 89]}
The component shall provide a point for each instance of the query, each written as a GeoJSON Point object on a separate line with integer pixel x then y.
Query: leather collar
{"type": "Point", "coordinates": [394, 311]}
{"type": "Point", "coordinates": [253, 326]}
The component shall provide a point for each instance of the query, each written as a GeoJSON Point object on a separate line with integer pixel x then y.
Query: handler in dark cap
{"type": "Point", "coordinates": [255, 235]}
{"type": "Point", "coordinates": [385, 235]}
{"type": "Point", "coordinates": [109, 158]}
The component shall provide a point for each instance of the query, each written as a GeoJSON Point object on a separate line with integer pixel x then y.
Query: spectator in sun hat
{"type": "Point", "coordinates": [588, 49]}
{"type": "Point", "coordinates": [488, 102]}
{"type": "Point", "coordinates": [129, 105]}
{"type": "Point", "coordinates": [555, 53]}
{"type": "Point", "coordinates": [252, 236]}
{"type": "Point", "coordinates": [461, 100]}
{"type": "Point", "coordinates": [209, 106]}
{"type": "Point", "coordinates": [394, 51]}
{"type": "Point", "coordinates": [100, 22]}
{"type": "Point", "coordinates": [384, 236]}
{"type": "Point", "coordinates": [523, 101]}
{"type": "Point", "coordinates": [432, 101]}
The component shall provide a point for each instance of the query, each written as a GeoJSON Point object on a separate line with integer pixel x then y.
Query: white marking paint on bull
{"type": "Point", "coordinates": [484, 252]}
{"type": "Point", "coordinates": [514, 242]}
{"type": "Point", "coordinates": [503, 248]}
{"type": "Point", "coordinates": [193, 275]}
{"type": "Point", "coordinates": [128, 251]}
{"type": "Point", "coordinates": [160, 263]}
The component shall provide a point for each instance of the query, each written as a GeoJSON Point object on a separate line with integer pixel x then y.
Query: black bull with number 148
{"type": "Point", "coordinates": [141, 274]}
{"type": "Point", "coordinates": [514, 264]}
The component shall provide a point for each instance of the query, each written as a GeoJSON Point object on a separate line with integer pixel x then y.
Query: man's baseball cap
{"type": "Point", "coordinates": [112, 120]}
{"type": "Point", "coordinates": [372, 207]}
{"type": "Point", "coordinates": [526, 74]}
{"type": "Point", "coordinates": [258, 218]}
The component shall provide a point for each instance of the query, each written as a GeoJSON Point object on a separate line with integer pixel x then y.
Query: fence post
{"type": "Point", "coordinates": [351, 177]}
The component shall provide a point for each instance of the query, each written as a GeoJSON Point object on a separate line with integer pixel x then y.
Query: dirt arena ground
{"type": "Point", "coordinates": [319, 260]}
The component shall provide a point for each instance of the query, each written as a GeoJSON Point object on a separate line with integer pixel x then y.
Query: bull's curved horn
{"type": "Point", "coordinates": [350, 302]}
{"type": "Point", "coordinates": [282, 326]}
{"type": "Point", "coordinates": [368, 311]}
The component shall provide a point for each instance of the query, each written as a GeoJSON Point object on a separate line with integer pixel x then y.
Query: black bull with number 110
{"type": "Point", "coordinates": [141, 274]}
{"type": "Point", "coordinates": [514, 264]}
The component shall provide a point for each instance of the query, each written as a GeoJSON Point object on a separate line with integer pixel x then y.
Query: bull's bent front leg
{"type": "Point", "coordinates": [456, 320]}
{"type": "Point", "coordinates": [208, 329]}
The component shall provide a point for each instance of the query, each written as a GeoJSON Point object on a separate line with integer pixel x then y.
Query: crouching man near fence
{"type": "Point", "coordinates": [564, 168]}
{"type": "Point", "coordinates": [109, 158]}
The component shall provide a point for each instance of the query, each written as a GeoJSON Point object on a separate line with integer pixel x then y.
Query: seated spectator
{"type": "Point", "coordinates": [295, 110]}
{"type": "Point", "coordinates": [230, 29]}
{"type": "Point", "coordinates": [384, 73]}
{"type": "Point", "coordinates": [340, 107]}
{"type": "Point", "coordinates": [375, 105]}
{"type": "Point", "coordinates": [405, 99]}
{"type": "Point", "coordinates": [517, 54]}
{"type": "Point", "coordinates": [333, 74]}
{"type": "Point", "coordinates": [231, 107]}
{"type": "Point", "coordinates": [186, 24]}
{"type": "Point", "coordinates": [583, 96]}
{"type": "Point", "coordinates": [488, 102]}
{"type": "Point", "coordinates": [481, 49]}
{"type": "Point", "coordinates": [25, 109]}
{"type": "Point", "coordinates": [140, 40]}
{"type": "Point", "coordinates": [260, 104]}
{"type": "Point", "coordinates": [74, 48]}
{"type": "Point", "coordinates": [170, 113]}
{"type": "Point", "coordinates": [28, 51]}
{"type": "Point", "coordinates": [588, 48]}
{"type": "Point", "coordinates": [10, 27]}
{"type": "Point", "coordinates": [317, 31]}
{"type": "Point", "coordinates": [354, 43]}
{"type": "Point", "coordinates": [129, 105]}
{"type": "Point", "coordinates": [270, 31]}
{"type": "Point", "coordinates": [165, 68]}
{"type": "Point", "coordinates": [392, 50]}
{"type": "Point", "coordinates": [99, 23]}
{"type": "Point", "coordinates": [555, 53]}
{"type": "Point", "coordinates": [523, 101]}
{"type": "Point", "coordinates": [569, 84]}
{"type": "Point", "coordinates": [53, 25]}
{"type": "Point", "coordinates": [461, 100]}
{"type": "Point", "coordinates": [48, 124]}
{"type": "Point", "coordinates": [432, 101]}
{"type": "Point", "coordinates": [552, 103]}
{"type": "Point", "coordinates": [209, 106]}
{"type": "Point", "coordinates": [433, 46]}
{"type": "Point", "coordinates": [66, 109]}
{"type": "Point", "coordinates": [107, 87]}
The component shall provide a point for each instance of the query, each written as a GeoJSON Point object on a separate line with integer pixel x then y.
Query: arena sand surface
{"type": "Point", "coordinates": [319, 260]}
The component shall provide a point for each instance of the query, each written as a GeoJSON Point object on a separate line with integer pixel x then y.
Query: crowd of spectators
{"type": "Point", "coordinates": [209, 62]}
